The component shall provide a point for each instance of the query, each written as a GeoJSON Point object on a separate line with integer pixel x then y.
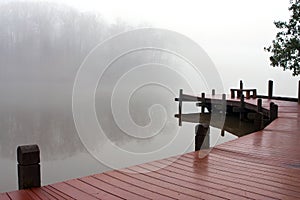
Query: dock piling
{"type": "Point", "coordinates": [29, 172]}
{"type": "Point", "coordinates": [180, 107]}
{"type": "Point", "coordinates": [202, 136]}
{"type": "Point", "coordinates": [259, 105]}
{"type": "Point", "coordinates": [202, 102]}
{"type": "Point", "coordinates": [273, 111]}
{"type": "Point", "coordinates": [270, 89]}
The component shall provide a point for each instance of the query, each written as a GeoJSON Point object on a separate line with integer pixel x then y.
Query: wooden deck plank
{"type": "Point", "coordinates": [56, 193]}
{"type": "Point", "coordinates": [111, 188]}
{"type": "Point", "coordinates": [4, 196]}
{"type": "Point", "coordinates": [80, 185]}
{"type": "Point", "coordinates": [183, 182]}
{"type": "Point", "coordinates": [72, 192]}
{"type": "Point", "coordinates": [232, 177]}
{"type": "Point", "coordinates": [155, 188]}
{"type": "Point", "coordinates": [245, 171]}
{"type": "Point", "coordinates": [129, 186]}
{"type": "Point", "coordinates": [42, 194]}
{"type": "Point", "coordinates": [244, 186]}
{"type": "Point", "coordinates": [19, 195]}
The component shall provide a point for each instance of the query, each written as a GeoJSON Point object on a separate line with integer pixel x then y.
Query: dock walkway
{"type": "Point", "coordinates": [262, 165]}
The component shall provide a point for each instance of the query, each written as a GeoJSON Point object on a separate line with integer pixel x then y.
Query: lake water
{"type": "Point", "coordinates": [42, 49]}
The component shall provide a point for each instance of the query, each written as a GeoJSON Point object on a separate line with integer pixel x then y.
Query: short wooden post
{"type": "Point", "coordinates": [224, 97]}
{"type": "Point", "coordinates": [202, 102]}
{"type": "Point", "coordinates": [29, 175]}
{"type": "Point", "coordinates": [241, 85]}
{"type": "Point", "coordinates": [299, 92]}
{"type": "Point", "coordinates": [273, 111]}
{"type": "Point", "coordinates": [270, 89]}
{"type": "Point", "coordinates": [242, 108]}
{"type": "Point", "coordinates": [202, 136]}
{"type": "Point", "coordinates": [180, 107]}
{"type": "Point", "coordinates": [222, 132]}
{"type": "Point", "coordinates": [254, 93]}
{"type": "Point", "coordinates": [259, 121]}
{"type": "Point", "coordinates": [213, 92]}
{"type": "Point", "coordinates": [259, 105]}
{"type": "Point", "coordinates": [232, 93]}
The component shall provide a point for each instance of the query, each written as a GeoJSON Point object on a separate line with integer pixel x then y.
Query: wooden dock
{"type": "Point", "coordinates": [262, 165]}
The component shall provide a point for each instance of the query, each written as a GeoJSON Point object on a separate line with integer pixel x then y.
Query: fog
{"type": "Point", "coordinates": [43, 46]}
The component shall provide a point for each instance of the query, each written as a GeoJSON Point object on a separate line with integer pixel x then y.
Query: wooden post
{"type": "Point", "coordinates": [254, 94]}
{"type": "Point", "coordinates": [259, 121]}
{"type": "Point", "coordinates": [259, 105]}
{"type": "Point", "coordinates": [270, 89]}
{"type": "Point", "coordinates": [224, 97]}
{"type": "Point", "coordinates": [29, 175]}
{"type": "Point", "coordinates": [202, 102]}
{"type": "Point", "coordinates": [299, 92]}
{"type": "Point", "coordinates": [242, 108]}
{"type": "Point", "coordinates": [213, 92]}
{"type": "Point", "coordinates": [202, 137]}
{"type": "Point", "coordinates": [222, 132]}
{"type": "Point", "coordinates": [273, 111]}
{"type": "Point", "coordinates": [232, 93]}
{"type": "Point", "coordinates": [241, 85]}
{"type": "Point", "coordinates": [180, 107]}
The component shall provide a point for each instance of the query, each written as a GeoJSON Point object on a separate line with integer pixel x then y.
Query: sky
{"type": "Point", "coordinates": [232, 32]}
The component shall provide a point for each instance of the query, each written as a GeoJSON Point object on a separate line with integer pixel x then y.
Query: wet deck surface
{"type": "Point", "coordinates": [262, 165]}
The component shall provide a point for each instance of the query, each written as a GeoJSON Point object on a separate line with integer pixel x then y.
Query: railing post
{"type": "Point", "coordinates": [202, 136]}
{"type": "Point", "coordinates": [213, 92]}
{"type": "Point", "coordinates": [270, 89]}
{"type": "Point", "coordinates": [242, 108]}
{"type": "Point", "coordinates": [202, 102]}
{"type": "Point", "coordinates": [241, 85]}
{"type": "Point", "coordinates": [29, 172]}
{"type": "Point", "coordinates": [180, 107]}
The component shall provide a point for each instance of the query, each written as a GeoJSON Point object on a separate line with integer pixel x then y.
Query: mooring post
{"type": "Point", "coordinates": [273, 111]}
{"type": "Point", "coordinates": [29, 172]}
{"type": "Point", "coordinates": [242, 108]}
{"type": "Point", "coordinates": [180, 107]}
{"type": "Point", "coordinates": [259, 121]}
{"type": "Point", "coordinates": [270, 89]}
{"type": "Point", "coordinates": [222, 132]}
{"type": "Point", "coordinates": [213, 92]}
{"type": "Point", "coordinates": [232, 93]}
{"type": "Point", "coordinates": [259, 105]}
{"type": "Point", "coordinates": [240, 92]}
{"type": "Point", "coordinates": [202, 136]}
{"type": "Point", "coordinates": [202, 102]}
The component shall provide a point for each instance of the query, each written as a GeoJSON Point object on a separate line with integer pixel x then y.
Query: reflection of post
{"type": "Point", "coordinates": [28, 166]}
{"type": "Point", "coordinates": [202, 137]}
{"type": "Point", "coordinates": [270, 89]}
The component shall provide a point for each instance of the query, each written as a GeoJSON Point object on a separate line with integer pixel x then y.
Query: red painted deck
{"type": "Point", "coordinates": [262, 165]}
